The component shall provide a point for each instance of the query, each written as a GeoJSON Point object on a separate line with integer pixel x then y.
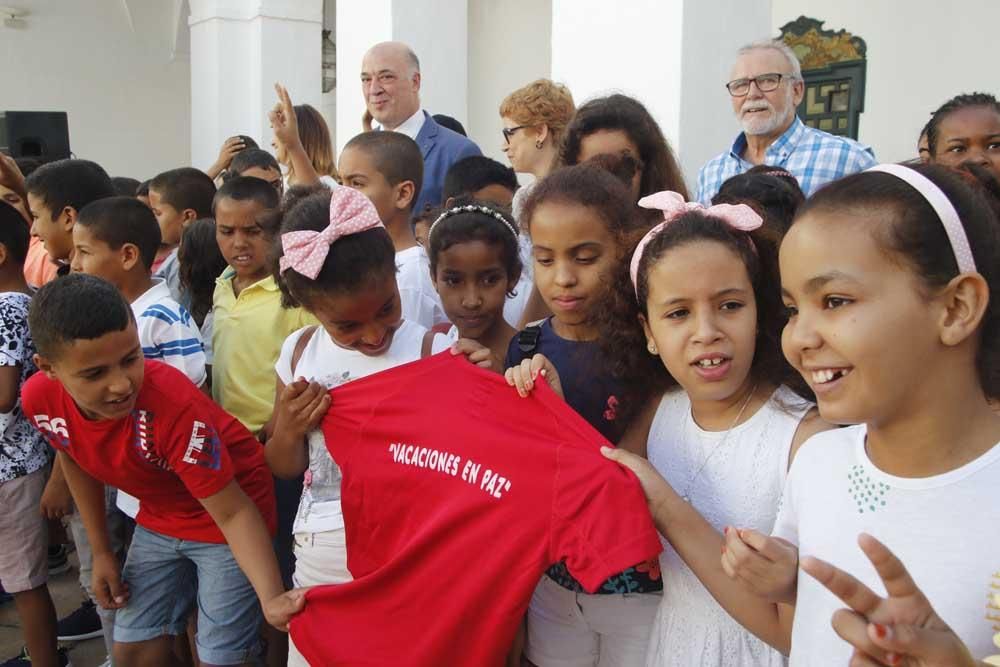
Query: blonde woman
{"type": "Point", "coordinates": [534, 121]}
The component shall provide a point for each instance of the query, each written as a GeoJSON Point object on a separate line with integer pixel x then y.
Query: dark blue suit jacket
{"type": "Point", "coordinates": [441, 148]}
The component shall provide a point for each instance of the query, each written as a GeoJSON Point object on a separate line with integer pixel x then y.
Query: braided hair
{"type": "Point", "coordinates": [963, 101]}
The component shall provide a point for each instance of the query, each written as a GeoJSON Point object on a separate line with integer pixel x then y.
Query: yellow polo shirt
{"type": "Point", "coordinates": [247, 335]}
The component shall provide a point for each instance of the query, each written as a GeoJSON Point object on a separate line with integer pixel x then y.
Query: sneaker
{"type": "Point", "coordinates": [84, 623]}
{"type": "Point", "coordinates": [22, 660]}
{"type": "Point", "coordinates": [58, 563]}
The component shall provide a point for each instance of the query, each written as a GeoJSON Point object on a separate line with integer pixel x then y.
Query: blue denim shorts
{"type": "Point", "coordinates": [166, 576]}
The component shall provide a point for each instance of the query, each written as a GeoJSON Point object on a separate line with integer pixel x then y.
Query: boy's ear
{"type": "Point", "coordinates": [406, 194]}
{"type": "Point", "coordinates": [3, 254]}
{"type": "Point", "coordinates": [67, 218]}
{"type": "Point", "coordinates": [188, 216]}
{"type": "Point", "coordinates": [44, 365]}
{"type": "Point", "coordinates": [129, 255]}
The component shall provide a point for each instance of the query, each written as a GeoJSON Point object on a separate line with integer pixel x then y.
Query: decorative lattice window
{"type": "Point", "coordinates": [834, 64]}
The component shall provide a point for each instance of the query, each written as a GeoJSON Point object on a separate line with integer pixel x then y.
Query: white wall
{"type": "Point", "coordinates": [920, 53]}
{"type": "Point", "coordinates": [672, 55]}
{"type": "Point", "coordinates": [509, 46]}
{"type": "Point", "coordinates": [238, 51]}
{"type": "Point", "coordinates": [126, 95]}
{"type": "Point", "coordinates": [359, 25]}
{"type": "Point", "coordinates": [600, 47]}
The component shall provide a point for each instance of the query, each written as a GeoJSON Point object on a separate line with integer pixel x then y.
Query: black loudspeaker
{"type": "Point", "coordinates": [38, 134]}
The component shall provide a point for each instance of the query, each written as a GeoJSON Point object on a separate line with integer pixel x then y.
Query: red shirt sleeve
{"type": "Point", "coordinates": [37, 397]}
{"type": "Point", "coordinates": [192, 447]}
{"type": "Point", "coordinates": [601, 522]}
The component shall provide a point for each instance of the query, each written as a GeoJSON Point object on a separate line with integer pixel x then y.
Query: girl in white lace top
{"type": "Point", "coordinates": [722, 434]}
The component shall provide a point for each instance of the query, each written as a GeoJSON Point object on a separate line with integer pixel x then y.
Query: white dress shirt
{"type": "Point", "coordinates": [411, 126]}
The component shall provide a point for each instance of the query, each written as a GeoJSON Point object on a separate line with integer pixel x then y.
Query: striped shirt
{"type": "Point", "coordinates": [168, 333]}
{"type": "Point", "coordinates": [812, 156]}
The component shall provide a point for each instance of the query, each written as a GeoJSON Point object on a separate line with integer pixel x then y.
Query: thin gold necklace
{"type": "Point", "coordinates": [694, 478]}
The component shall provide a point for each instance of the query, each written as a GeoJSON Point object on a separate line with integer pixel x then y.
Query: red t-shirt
{"type": "Point", "coordinates": [175, 447]}
{"type": "Point", "coordinates": [457, 494]}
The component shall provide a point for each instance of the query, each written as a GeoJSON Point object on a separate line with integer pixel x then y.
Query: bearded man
{"type": "Point", "coordinates": [766, 86]}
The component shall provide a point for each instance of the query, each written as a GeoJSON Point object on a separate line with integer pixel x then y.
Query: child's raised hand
{"type": "Point", "coordinates": [279, 611]}
{"type": "Point", "coordinates": [301, 407]}
{"type": "Point", "coordinates": [283, 120]}
{"type": "Point", "coordinates": [656, 488]}
{"type": "Point", "coordinates": [523, 375]}
{"type": "Point", "coordinates": [901, 629]}
{"type": "Point", "coordinates": [11, 176]}
{"type": "Point", "coordinates": [230, 148]}
{"type": "Point", "coordinates": [766, 565]}
{"type": "Point", "coordinates": [106, 579]}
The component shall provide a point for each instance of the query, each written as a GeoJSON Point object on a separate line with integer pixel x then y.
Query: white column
{"type": "Point", "coordinates": [436, 30]}
{"type": "Point", "coordinates": [239, 49]}
{"type": "Point", "coordinates": [672, 55]}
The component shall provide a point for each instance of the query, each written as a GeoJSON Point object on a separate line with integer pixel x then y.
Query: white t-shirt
{"type": "Point", "coordinates": [325, 362]}
{"type": "Point", "coordinates": [167, 333]}
{"type": "Point", "coordinates": [943, 528]}
{"type": "Point", "coordinates": [421, 303]}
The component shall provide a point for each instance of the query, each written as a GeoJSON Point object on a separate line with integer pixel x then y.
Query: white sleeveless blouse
{"type": "Point", "coordinates": [740, 484]}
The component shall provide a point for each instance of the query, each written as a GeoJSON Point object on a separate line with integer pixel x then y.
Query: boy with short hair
{"type": "Point", "coordinates": [207, 500]}
{"type": "Point", "coordinates": [116, 239]}
{"type": "Point", "coordinates": [56, 193]}
{"type": "Point", "coordinates": [389, 169]}
{"type": "Point", "coordinates": [249, 324]}
{"type": "Point", "coordinates": [259, 164]}
{"type": "Point", "coordinates": [481, 178]}
{"type": "Point", "coordinates": [177, 197]}
{"type": "Point", "coordinates": [24, 458]}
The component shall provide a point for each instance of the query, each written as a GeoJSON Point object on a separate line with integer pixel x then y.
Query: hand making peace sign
{"type": "Point", "coordinates": [901, 629]}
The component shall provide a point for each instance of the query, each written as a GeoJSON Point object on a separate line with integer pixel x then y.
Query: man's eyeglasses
{"type": "Point", "coordinates": [508, 132]}
{"type": "Point", "coordinates": [765, 83]}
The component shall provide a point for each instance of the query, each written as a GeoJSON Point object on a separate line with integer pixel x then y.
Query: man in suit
{"type": "Point", "coordinates": [390, 81]}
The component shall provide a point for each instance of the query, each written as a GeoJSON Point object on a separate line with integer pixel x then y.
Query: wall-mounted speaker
{"type": "Point", "coordinates": [38, 134]}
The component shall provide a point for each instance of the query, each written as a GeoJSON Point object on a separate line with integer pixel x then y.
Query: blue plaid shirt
{"type": "Point", "coordinates": [812, 156]}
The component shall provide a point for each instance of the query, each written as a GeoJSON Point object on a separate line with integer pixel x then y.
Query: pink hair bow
{"type": "Point", "coordinates": [738, 216]}
{"type": "Point", "coordinates": [350, 212]}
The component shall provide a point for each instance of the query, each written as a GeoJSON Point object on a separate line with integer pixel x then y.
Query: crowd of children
{"type": "Point", "coordinates": [804, 390]}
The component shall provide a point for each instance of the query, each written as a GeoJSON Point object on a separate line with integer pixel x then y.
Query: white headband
{"type": "Point", "coordinates": [472, 208]}
{"type": "Point", "coordinates": [942, 206]}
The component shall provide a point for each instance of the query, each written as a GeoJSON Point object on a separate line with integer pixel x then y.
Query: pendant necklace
{"type": "Point", "coordinates": [694, 478]}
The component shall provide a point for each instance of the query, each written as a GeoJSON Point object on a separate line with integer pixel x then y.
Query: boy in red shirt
{"type": "Point", "coordinates": [207, 500]}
